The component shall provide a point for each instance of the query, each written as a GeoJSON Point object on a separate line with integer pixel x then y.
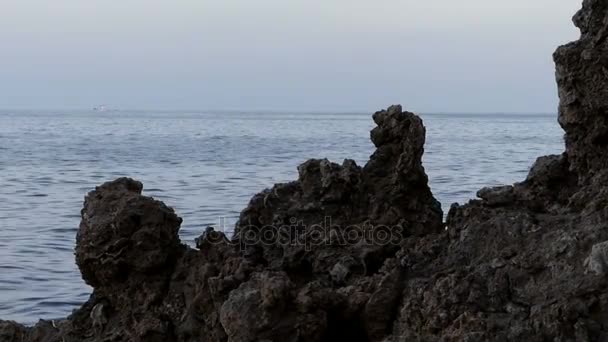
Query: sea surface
{"type": "Point", "coordinates": [207, 166]}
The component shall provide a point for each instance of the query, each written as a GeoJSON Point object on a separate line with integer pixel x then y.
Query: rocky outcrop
{"type": "Point", "coordinates": [582, 77]}
{"type": "Point", "coordinates": [361, 253]}
{"type": "Point", "coordinates": [311, 260]}
{"type": "Point", "coordinates": [346, 209]}
{"type": "Point", "coordinates": [527, 262]}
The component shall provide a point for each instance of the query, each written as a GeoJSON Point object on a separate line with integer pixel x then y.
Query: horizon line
{"type": "Point", "coordinates": [274, 111]}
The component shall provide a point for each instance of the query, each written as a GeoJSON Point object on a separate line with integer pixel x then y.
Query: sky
{"type": "Point", "coordinates": [473, 56]}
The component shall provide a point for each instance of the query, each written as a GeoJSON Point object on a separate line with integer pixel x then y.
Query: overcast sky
{"type": "Point", "coordinates": [298, 55]}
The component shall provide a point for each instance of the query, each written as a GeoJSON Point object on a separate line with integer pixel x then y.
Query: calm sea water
{"type": "Point", "coordinates": [207, 166]}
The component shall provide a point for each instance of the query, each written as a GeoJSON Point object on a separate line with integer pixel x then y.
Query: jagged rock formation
{"type": "Point", "coordinates": [311, 260]}
{"type": "Point", "coordinates": [388, 196]}
{"type": "Point", "coordinates": [361, 253]}
{"type": "Point", "coordinates": [582, 77]}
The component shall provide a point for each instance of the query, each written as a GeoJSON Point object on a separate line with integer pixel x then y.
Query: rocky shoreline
{"type": "Point", "coordinates": [362, 252]}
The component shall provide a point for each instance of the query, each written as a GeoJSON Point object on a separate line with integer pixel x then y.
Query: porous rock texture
{"type": "Point", "coordinates": [361, 253]}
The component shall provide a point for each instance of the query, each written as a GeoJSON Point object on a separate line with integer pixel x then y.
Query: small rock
{"type": "Point", "coordinates": [597, 262]}
{"type": "Point", "coordinates": [497, 196]}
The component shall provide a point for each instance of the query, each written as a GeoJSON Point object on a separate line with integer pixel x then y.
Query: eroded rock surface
{"type": "Point", "coordinates": [345, 211]}
{"type": "Point", "coordinates": [582, 78]}
{"type": "Point", "coordinates": [361, 253]}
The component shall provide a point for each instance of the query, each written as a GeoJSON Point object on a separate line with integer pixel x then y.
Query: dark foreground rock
{"type": "Point", "coordinates": [361, 253]}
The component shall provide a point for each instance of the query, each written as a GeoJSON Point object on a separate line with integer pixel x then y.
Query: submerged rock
{"type": "Point", "coordinates": [361, 253]}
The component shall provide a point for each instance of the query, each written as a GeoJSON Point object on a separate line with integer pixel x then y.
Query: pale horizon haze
{"type": "Point", "coordinates": [473, 56]}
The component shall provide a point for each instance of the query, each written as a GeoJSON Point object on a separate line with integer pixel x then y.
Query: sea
{"type": "Point", "coordinates": [207, 165]}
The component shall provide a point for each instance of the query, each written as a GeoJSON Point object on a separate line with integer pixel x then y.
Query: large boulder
{"type": "Point", "coordinates": [125, 237]}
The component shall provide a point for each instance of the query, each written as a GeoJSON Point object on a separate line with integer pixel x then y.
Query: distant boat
{"type": "Point", "coordinates": [102, 109]}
